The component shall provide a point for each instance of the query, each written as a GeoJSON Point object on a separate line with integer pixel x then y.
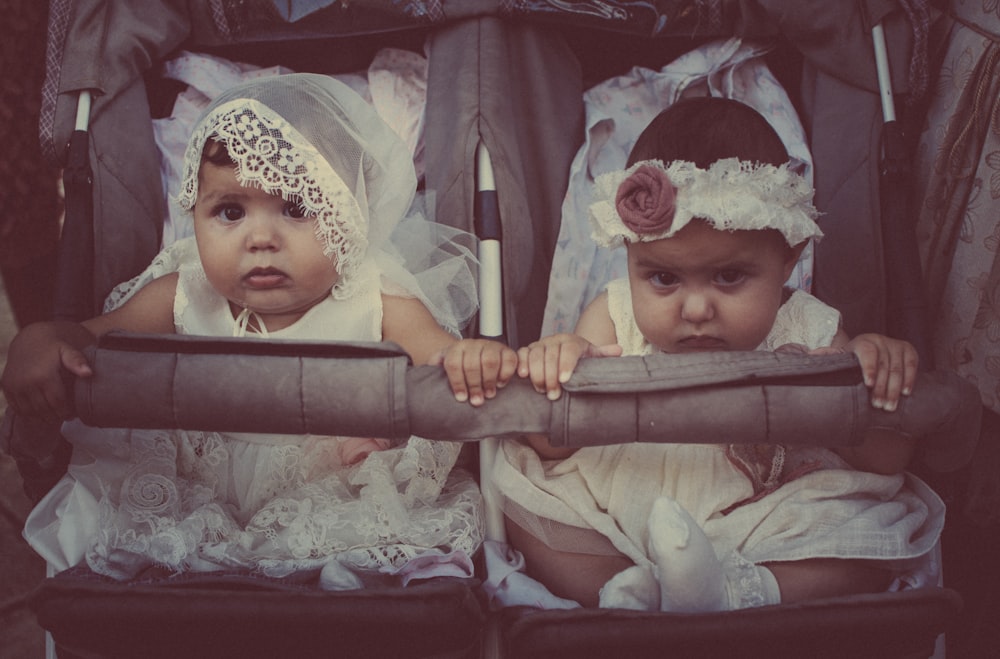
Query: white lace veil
{"type": "Point", "coordinates": [312, 139]}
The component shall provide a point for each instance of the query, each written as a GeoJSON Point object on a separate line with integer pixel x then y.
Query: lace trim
{"type": "Point", "coordinates": [804, 320]}
{"type": "Point", "coordinates": [743, 580]}
{"type": "Point", "coordinates": [730, 195]}
{"type": "Point", "coordinates": [287, 508]}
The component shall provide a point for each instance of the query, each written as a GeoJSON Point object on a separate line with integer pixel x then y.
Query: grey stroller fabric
{"type": "Point", "coordinates": [841, 113]}
{"type": "Point", "coordinates": [106, 49]}
{"type": "Point", "coordinates": [521, 95]}
{"type": "Point", "coordinates": [367, 390]}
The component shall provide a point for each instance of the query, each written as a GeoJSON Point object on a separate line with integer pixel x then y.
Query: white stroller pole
{"type": "Point", "coordinates": [490, 317]}
{"type": "Point", "coordinates": [487, 225]}
{"type": "Point", "coordinates": [882, 70]}
{"type": "Point", "coordinates": [83, 110]}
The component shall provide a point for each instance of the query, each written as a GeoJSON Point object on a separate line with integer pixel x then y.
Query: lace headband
{"type": "Point", "coordinates": [650, 201]}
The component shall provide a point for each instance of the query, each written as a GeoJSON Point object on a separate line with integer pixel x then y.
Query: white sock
{"type": "Point", "coordinates": [633, 588]}
{"type": "Point", "coordinates": [690, 574]}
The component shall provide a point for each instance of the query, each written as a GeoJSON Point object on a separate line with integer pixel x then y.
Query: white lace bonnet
{"type": "Point", "coordinates": [312, 139]}
{"type": "Point", "coordinates": [651, 200]}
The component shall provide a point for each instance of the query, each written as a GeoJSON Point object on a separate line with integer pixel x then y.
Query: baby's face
{"type": "Point", "coordinates": [258, 249]}
{"type": "Point", "coordinates": [708, 290]}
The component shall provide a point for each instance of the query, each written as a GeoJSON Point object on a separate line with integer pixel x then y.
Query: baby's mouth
{"type": "Point", "coordinates": [702, 342]}
{"type": "Point", "coordinates": [264, 278]}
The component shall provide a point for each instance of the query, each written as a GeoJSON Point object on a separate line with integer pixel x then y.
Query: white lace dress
{"type": "Point", "coordinates": [277, 504]}
{"type": "Point", "coordinates": [766, 503]}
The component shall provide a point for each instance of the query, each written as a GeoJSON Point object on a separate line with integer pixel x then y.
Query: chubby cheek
{"type": "Point", "coordinates": [222, 273]}
{"type": "Point", "coordinates": [655, 319]}
{"type": "Point", "coordinates": [757, 321]}
{"type": "Point", "coordinates": [323, 268]}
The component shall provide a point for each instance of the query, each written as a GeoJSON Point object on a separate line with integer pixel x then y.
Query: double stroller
{"type": "Point", "coordinates": [504, 122]}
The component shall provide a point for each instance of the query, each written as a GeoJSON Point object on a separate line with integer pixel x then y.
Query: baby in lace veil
{"type": "Point", "coordinates": [713, 219]}
{"type": "Point", "coordinates": [299, 195]}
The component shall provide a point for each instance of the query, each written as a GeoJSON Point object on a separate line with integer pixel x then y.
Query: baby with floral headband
{"type": "Point", "coordinates": [295, 186]}
{"type": "Point", "coordinates": [713, 219]}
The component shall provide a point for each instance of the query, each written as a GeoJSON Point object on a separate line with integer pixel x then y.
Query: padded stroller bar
{"type": "Point", "coordinates": [372, 390]}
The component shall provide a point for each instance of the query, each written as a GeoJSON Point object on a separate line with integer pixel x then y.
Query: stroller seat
{"type": "Point", "coordinates": [241, 615]}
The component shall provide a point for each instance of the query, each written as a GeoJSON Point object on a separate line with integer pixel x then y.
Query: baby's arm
{"type": "Point", "coordinates": [476, 368]}
{"type": "Point", "coordinates": [889, 368]}
{"type": "Point", "coordinates": [43, 353]}
{"type": "Point", "coordinates": [550, 361]}
{"type": "Point", "coordinates": [32, 379]}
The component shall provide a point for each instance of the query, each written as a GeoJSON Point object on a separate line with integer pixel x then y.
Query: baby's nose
{"type": "Point", "coordinates": [697, 308]}
{"type": "Point", "coordinates": [261, 234]}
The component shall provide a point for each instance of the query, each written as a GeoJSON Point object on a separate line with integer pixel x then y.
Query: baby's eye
{"type": "Point", "coordinates": [294, 210]}
{"type": "Point", "coordinates": [663, 279]}
{"type": "Point", "coordinates": [229, 213]}
{"type": "Point", "coordinates": [730, 277]}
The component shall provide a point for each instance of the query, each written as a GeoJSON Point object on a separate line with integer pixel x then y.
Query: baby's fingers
{"type": "Point", "coordinates": [902, 373]}
{"type": "Point", "coordinates": [453, 362]}
{"type": "Point", "coordinates": [531, 364]}
{"type": "Point", "coordinates": [889, 367]}
{"type": "Point", "coordinates": [497, 363]}
{"type": "Point", "coordinates": [508, 366]}
{"type": "Point", "coordinates": [539, 362]}
{"type": "Point", "coordinates": [74, 362]}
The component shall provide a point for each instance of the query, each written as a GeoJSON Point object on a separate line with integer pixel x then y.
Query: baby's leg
{"type": "Point", "coordinates": [827, 577]}
{"type": "Point", "coordinates": [569, 575]}
{"type": "Point", "coordinates": [691, 576]}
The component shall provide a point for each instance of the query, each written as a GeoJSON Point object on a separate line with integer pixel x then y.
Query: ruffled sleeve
{"type": "Point", "coordinates": [803, 320]}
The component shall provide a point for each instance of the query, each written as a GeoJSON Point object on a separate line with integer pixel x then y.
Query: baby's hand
{"type": "Point", "coordinates": [33, 380]}
{"type": "Point", "coordinates": [550, 361]}
{"type": "Point", "coordinates": [476, 368]}
{"type": "Point", "coordinates": [889, 367]}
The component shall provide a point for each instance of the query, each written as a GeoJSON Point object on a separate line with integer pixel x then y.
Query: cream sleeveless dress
{"type": "Point", "coordinates": [598, 500]}
{"type": "Point", "coordinates": [276, 504]}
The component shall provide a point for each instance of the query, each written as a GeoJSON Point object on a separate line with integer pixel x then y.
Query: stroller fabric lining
{"type": "Point", "coordinates": [617, 110]}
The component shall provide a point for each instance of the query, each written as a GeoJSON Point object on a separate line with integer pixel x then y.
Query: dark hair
{"type": "Point", "coordinates": [706, 129]}
{"type": "Point", "coordinates": [216, 153]}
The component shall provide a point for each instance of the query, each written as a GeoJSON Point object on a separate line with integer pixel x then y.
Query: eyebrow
{"type": "Point", "coordinates": [651, 263]}
{"type": "Point", "coordinates": [728, 264]}
{"type": "Point", "coordinates": [223, 196]}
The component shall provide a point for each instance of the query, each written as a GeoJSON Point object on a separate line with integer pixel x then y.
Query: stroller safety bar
{"type": "Point", "coordinates": [372, 390]}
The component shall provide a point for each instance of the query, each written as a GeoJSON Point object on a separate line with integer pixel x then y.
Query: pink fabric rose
{"type": "Point", "coordinates": [645, 200]}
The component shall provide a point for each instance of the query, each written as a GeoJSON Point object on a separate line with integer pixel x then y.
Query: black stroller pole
{"type": "Point", "coordinates": [906, 310]}
{"type": "Point", "coordinates": [74, 295]}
